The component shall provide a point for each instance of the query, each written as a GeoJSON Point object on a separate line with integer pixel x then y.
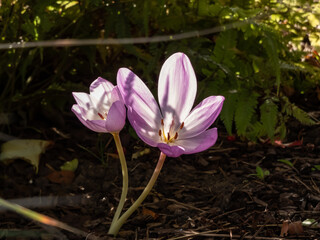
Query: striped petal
{"type": "Point", "coordinates": [177, 88]}
{"type": "Point", "coordinates": [138, 97]}
{"type": "Point", "coordinates": [202, 117]}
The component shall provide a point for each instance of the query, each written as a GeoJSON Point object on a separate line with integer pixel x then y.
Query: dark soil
{"type": "Point", "coordinates": [215, 194]}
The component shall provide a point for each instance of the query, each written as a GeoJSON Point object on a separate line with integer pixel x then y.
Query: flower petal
{"type": "Point", "coordinates": [147, 133]}
{"type": "Point", "coordinates": [116, 117]}
{"type": "Point", "coordinates": [201, 117]}
{"type": "Point", "coordinates": [137, 96]}
{"type": "Point", "coordinates": [192, 145]}
{"type": "Point", "coordinates": [171, 151]}
{"type": "Point", "coordinates": [115, 95]}
{"type": "Point", "coordinates": [102, 92]}
{"type": "Point", "coordinates": [87, 105]}
{"type": "Point", "coordinates": [200, 142]}
{"type": "Point", "coordinates": [101, 83]}
{"type": "Point", "coordinates": [95, 125]}
{"type": "Point", "coordinates": [83, 100]}
{"type": "Point", "coordinates": [177, 88]}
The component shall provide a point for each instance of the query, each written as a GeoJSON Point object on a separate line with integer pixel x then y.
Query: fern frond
{"type": "Point", "coordinates": [301, 115]}
{"type": "Point", "coordinates": [282, 130]}
{"type": "Point", "coordinates": [292, 110]}
{"type": "Point", "coordinates": [271, 48]}
{"type": "Point", "coordinates": [224, 49]}
{"type": "Point", "coordinates": [228, 110]}
{"type": "Point", "coordinates": [245, 109]}
{"type": "Point", "coordinates": [254, 131]}
{"type": "Point", "coordinates": [268, 117]}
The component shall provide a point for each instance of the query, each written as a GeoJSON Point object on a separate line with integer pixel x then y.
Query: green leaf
{"type": "Point", "coordinates": [292, 110]}
{"type": "Point", "coordinates": [224, 50]}
{"type": "Point", "coordinates": [310, 222]}
{"type": "Point", "coordinates": [301, 115]}
{"type": "Point", "coordinates": [313, 19]}
{"type": "Point", "coordinates": [140, 153]}
{"type": "Point", "coordinates": [254, 131]}
{"type": "Point", "coordinates": [70, 165]}
{"type": "Point", "coordinates": [228, 110]}
{"type": "Point", "coordinates": [286, 161]}
{"type": "Point", "coordinates": [268, 113]}
{"type": "Point", "coordinates": [271, 47]}
{"type": "Point", "coordinates": [316, 167]}
{"type": "Point", "coordinates": [282, 130]}
{"type": "Point", "coordinates": [261, 173]}
{"type": "Point", "coordinates": [245, 109]}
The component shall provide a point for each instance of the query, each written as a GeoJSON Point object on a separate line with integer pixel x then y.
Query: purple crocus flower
{"type": "Point", "coordinates": [102, 110]}
{"type": "Point", "coordinates": [173, 127]}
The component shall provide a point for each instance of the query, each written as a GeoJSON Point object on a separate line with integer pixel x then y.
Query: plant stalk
{"type": "Point", "coordinates": [115, 227]}
{"type": "Point", "coordinates": [125, 179]}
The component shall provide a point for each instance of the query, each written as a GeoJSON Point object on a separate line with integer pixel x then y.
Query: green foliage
{"type": "Point", "coordinates": [316, 167]}
{"type": "Point", "coordinates": [228, 110]}
{"type": "Point", "coordinates": [252, 66]}
{"type": "Point", "coordinates": [269, 117]}
{"type": "Point", "coordinates": [253, 58]}
{"type": "Point", "coordinates": [260, 173]}
{"type": "Point", "coordinates": [292, 110]}
{"type": "Point", "coordinates": [287, 162]}
{"type": "Point", "coordinates": [269, 44]}
{"type": "Point", "coordinates": [247, 103]}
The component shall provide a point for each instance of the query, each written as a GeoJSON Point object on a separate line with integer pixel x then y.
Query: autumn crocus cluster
{"type": "Point", "coordinates": [172, 126]}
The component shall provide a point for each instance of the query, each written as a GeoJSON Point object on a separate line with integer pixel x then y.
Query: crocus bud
{"type": "Point", "coordinates": [102, 110]}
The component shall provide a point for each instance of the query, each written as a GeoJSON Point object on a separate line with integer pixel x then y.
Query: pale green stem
{"type": "Point", "coordinates": [124, 178]}
{"type": "Point", "coordinates": [114, 228]}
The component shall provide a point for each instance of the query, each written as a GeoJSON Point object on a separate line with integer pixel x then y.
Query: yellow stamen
{"type": "Point", "coordinates": [168, 137]}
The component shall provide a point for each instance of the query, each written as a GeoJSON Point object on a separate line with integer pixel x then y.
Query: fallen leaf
{"type": "Point", "coordinates": [61, 177]}
{"type": "Point", "coordinates": [147, 212]}
{"type": "Point", "coordinates": [26, 149]}
{"type": "Point", "coordinates": [113, 155]}
{"type": "Point", "coordinates": [284, 229]}
{"type": "Point", "coordinates": [295, 228]}
{"type": "Point", "coordinates": [140, 153]}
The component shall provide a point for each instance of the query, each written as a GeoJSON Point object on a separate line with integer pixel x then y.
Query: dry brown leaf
{"type": "Point", "coordinates": [61, 177]}
{"type": "Point", "coordinates": [295, 228]}
{"type": "Point", "coordinates": [147, 212]}
{"type": "Point", "coordinates": [284, 229]}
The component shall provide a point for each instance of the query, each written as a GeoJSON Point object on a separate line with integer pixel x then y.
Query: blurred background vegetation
{"type": "Point", "coordinates": [263, 58]}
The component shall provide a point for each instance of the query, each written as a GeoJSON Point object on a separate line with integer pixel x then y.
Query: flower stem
{"type": "Point", "coordinates": [114, 229]}
{"type": "Point", "coordinates": [125, 180]}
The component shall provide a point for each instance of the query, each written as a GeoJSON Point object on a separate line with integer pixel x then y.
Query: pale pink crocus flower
{"type": "Point", "coordinates": [102, 110]}
{"type": "Point", "coordinates": [173, 127]}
